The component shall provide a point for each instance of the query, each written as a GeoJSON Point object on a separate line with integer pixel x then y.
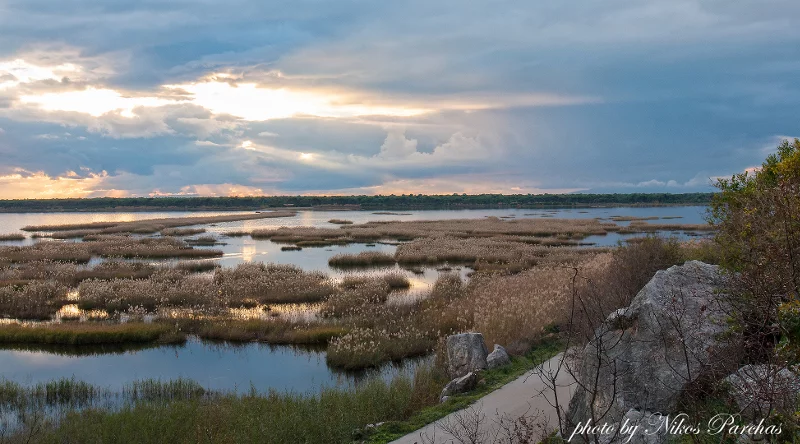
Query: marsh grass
{"type": "Point", "coordinates": [273, 331]}
{"type": "Point", "coordinates": [355, 297]}
{"type": "Point", "coordinates": [182, 231]}
{"type": "Point", "coordinates": [88, 334]}
{"type": "Point", "coordinates": [271, 283]}
{"type": "Point", "coordinates": [396, 280]}
{"type": "Point", "coordinates": [12, 237]}
{"type": "Point", "coordinates": [183, 413]}
{"type": "Point", "coordinates": [32, 299]}
{"type": "Point", "coordinates": [196, 266]}
{"type": "Point", "coordinates": [71, 393]}
{"type": "Point", "coordinates": [381, 333]}
{"type": "Point", "coordinates": [340, 222]}
{"type": "Point", "coordinates": [639, 226]}
{"type": "Point", "coordinates": [154, 225]}
{"type": "Point", "coordinates": [203, 240]}
{"type": "Point", "coordinates": [362, 259]}
{"type": "Point", "coordinates": [105, 246]}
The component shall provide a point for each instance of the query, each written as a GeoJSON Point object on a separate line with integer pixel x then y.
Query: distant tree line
{"type": "Point", "coordinates": [390, 202]}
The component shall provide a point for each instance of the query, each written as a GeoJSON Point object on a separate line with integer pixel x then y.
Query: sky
{"type": "Point", "coordinates": [264, 97]}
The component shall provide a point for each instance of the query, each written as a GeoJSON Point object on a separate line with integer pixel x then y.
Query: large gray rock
{"type": "Point", "coordinates": [460, 385]}
{"type": "Point", "coordinates": [498, 357]}
{"type": "Point", "coordinates": [763, 389]}
{"type": "Point", "coordinates": [466, 353]}
{"type": "Point", "coordinates": [642, 357]}
{"type": "Point", "coordinates": [639, 428]}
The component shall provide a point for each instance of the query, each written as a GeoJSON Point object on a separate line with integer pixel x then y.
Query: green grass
{"type": "Point", "coordinates": [493, 380]}
{"type": "Point", "coordinates": [88, 334]}
{"type": "Point", "coordinates": [330, 416]}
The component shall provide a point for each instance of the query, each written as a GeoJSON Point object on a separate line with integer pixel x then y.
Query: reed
{"type": "Point", "coordinates": [396, 280]}
{"type": "Point", "coordinates": [340, 222]}
{"type": "Point", "coordinates": [183, 412]}
{"type": "Point", "coordinates": [155, 225]}
{"type": "Point", "coordinates": [273, 331]}
{"type": "Point", "coordinates": [87, 334]}
{"type": "Point", "coordinates": [271, 283]}
{"type": "Point", "coordinates": [363, 259]}
{"type": "Point", "coordinates": [203, 240]}
{"type": "Point", "coordinates": [32, 299]}
{"type": "Point", "coordinates": [645, 227]}
{"type": "Point", "coordinates": [12, 237]}
{"type": "Point", "coordinates": [105, 246]}
{"type": "Point", "coordinates": [182, 231]}
{"type": "Point", "coordinates": [355, 297]}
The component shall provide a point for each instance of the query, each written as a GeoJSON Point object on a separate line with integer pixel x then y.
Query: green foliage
{"type": "Point", "coordinates": [757, 215]}
{"type": "Point", "coordinates": [410, 201]}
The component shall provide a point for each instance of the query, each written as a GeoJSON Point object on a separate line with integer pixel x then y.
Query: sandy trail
{"type": "Point", "coordinates": [527, 395]}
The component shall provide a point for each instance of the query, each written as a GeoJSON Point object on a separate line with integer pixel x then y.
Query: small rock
{"type": "Point", "coordinates": [466, 352]}
{"type": "Point", "coordinates": [460, 385]}
{"type": "Point", "coordinates": [498, 357]}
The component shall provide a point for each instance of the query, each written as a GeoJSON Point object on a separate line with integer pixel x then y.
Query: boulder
{"type": "Point", "coordinates": [459, 385]}
{"type": "Point", "coordinates": [498, 357]}
{"type": "Point", "coordinates": [643, 356]}
{"type": "Point", "coordinates": [762, 389]}
{"type": "Point", "coordinates": [466, 353]}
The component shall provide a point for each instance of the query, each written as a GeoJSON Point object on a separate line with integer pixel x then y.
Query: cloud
{"type": "Point", "coordinates": [20, 184]}
{"type": "Point", "coordinates": [352, 95]}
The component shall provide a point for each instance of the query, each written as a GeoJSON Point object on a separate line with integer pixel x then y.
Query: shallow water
{"type": "Point", "coordinates": [215, 366]}
{"type": "Point", "coordinates": [278, 367]}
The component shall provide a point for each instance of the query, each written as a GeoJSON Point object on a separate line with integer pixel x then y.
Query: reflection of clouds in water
{"type": "Point", "coordinates": [31, 360]}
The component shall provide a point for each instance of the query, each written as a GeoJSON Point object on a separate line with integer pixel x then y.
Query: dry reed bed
{"type": "Point", "coordinates": [644, 227]}
{"type": "Point", "coordinates": [147, 225]}
{"type": "Point", "coordinates": [246, 285]}
{"type": "Point", "coordinates": [363, 259]}
{"type": "Point", "coordinates": [105, 246]}
{"type": "Point", "coordinates": [465, 228]}
{"type": "Point", "coordinates": [12, 237]}
{"type": "Point", "coordinates": [514, 310]}
{"type": "Point", "coordinates": [182, 231]}
{"type": "Point", "coordinates": [544, 232]}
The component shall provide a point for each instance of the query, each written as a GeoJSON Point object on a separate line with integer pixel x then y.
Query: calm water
{"type": "Point", "coordinates": [279, 367]}
{"type": "Point", "coordinates": [214, 366]}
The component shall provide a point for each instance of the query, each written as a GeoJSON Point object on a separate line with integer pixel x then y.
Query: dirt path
{"type": "Point", "coordinates": [527, 395]}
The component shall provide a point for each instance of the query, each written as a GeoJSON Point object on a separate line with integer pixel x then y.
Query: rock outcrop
{"type": "Point", "coordinates": [762, 389]}
{"type": "Point", "coordinates": [498, 357]}
{"type": "Point", "coordinates": [466, 352]}
{"type": "Point", "coordinates": [460, 385]}
{"type": "Point", "coordinates": [642, 357]}
{"type": "Point", "coordinates": [640, 428]}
